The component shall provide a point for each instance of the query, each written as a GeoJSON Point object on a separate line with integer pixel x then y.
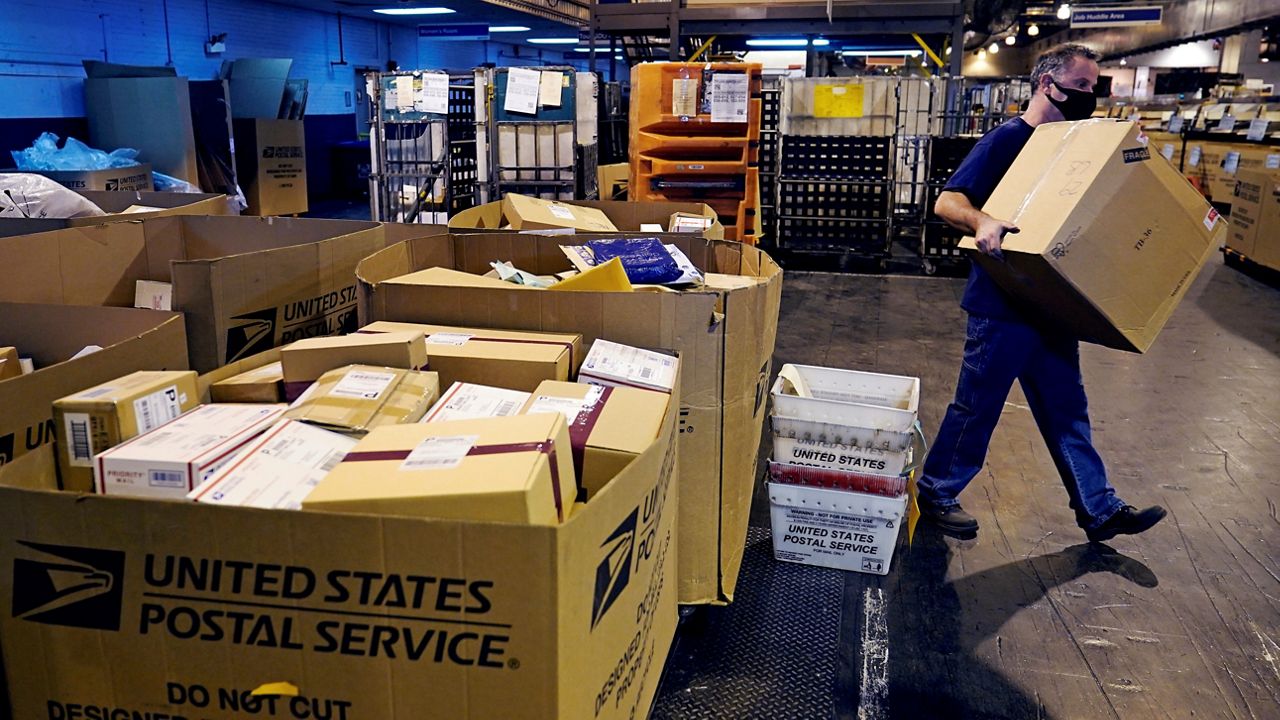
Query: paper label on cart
{"type": "Point", "coordinates": [455, 339]}
{"type": "Point", "coordinates": [157, 408]}
{"type": "Point", "coordinates": [1273, 161]}
{"type": "Point", "coordinates": [1167, 151]}
{"type": "Point", "coordinates": [363, 384]}
{"type": "Point", "coordinates": [1227, 123]}
{"type": "Point", "coordinates": [729, 97]}
{"type": "Point", "coordinates": [549, 88]}
{"type": "Point", "coordinates": [435, 94]}
{"type": "Point", "coordinates": [1231, 162]}
{"type": "Point", "coordinates": [1211, 218]}
{"type": "Point", "coordinates": [1175, 124]}
{"type": "Point", "coordinates": [561, 212]}
{"type": "Point", "coordinates": [1257, 129]}
{"type": "Point", "coordinates": [838, 101]}
{"type": "Point", "coordinates": [439, 453]}
{"type": "Point", "coordinates": [523, 87]}
{"type": "Point", "coordinates": [1194, 158]}
{"type": "Point", "coordinates": [684, 96]}
{"type": "Point", "coordinates": [80, 448]}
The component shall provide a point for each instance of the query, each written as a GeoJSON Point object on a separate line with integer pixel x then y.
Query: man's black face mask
{"type": "Point", "coordinates": [1077, 105]}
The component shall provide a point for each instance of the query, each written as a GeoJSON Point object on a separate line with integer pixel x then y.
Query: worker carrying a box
{"type": "Point", "coordinates": [1003, 345]}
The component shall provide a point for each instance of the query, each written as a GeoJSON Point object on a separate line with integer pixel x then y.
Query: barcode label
{"type": "Point", "coordinates": [439, 453]}
{"type": "Point", "coordinates": [80, 450]}
{"type": "Point", "coordinates": [506, 408]}
{"type": "Point", "coordinates": [363, 385]}
{"type": "Point", "coordinates": [456, 339]}
{"type": "Point", "coordinates": [646, 373]}
{"type": "Point", "coordinates": [332, 461]}
{"type": "Point", "coordinates": [158, 408]}
{"type": "Point", "coordinates": [166, 478]}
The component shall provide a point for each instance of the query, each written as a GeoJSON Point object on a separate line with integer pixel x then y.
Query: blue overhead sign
{"type": "Point", "coordinates": [455, 31]}
{"type": "Point", "coordinates": [1094, 17]}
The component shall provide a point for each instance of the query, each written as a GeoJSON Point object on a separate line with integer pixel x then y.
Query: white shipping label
{"type": "Point", "coordinates": [523, 86]}
{"type": "Point", "coordinates": [455, 339]}
{"type": "Point", "coordinates": [435, 94]}
{"type": "Point", "coordinates": [1227, 123]}
{"type": "Point", "coordinates": [1273, 161]}
{"type": "Point", "coordinates": [1231, 162]}
{"type": "Point", "coordinates": [568, 407]}
{"type": "Point", "coordinates": [610, 360]}
{"type": "Point", "coordinates": [466, 402]}
{"type": "Point", "coordinates": [1175, 124]}
{"type": "Point", "coordinates": [730, 94]}
{"type": "Point", "coordinates": [1257, 129]}
{"type": "Point", "coordinates": [1194, 158]}
{"type": "Point", "coordinates": [280, 470]}
{"type": "Point", "coordinates": [79, 439]}
{"type": "Point", "coordinates": [550, 87]}
{"type": "Point", "coordinates": [1167, 151]}
{"type": "Point", "coordinates": [684, 96]}
{"type": "Point", "coordinates": [439, 453]}
{"type": "Point", "coordinates": [158, 408]}
{"type": "Point", "coordinates": [561, 212]}
{"type": "Point", "coordinates": [363, 384]}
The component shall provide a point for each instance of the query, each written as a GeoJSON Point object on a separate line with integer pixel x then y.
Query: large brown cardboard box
{"type": "Point", "coordinates": [271, 165]}
{"type": "Point", "coordinates": [625, 216]}
{"type": "Point", "coordinates": [136, 177]}
{"type": "Point", "coordinates": [502, 358]}
{"type": "Point", "coordinates": [357, 398]}
{"type": "Point", "coordinates": [1111, 238]}
{"type": "Point", "coordinates": [524, 212]}
{"type": "Point", "coordinates": [150, 114]}
{"type": "Point", "coordinates": [303, 362]}
{"type": "Point", "coordinates": [724, 334]}
{"type": "Point", "coordinates": [246, 284]}
{"type": "Point", "coordinates": [612, 181]}
{"type": "Point", "coordinates": [115, 203]}
{"type": "Point", "coordinates": [1255, 217]}
{"type": "Point", "coordinates": [393, 618]}
{"type": "Point", "coordinates": [50, 334]}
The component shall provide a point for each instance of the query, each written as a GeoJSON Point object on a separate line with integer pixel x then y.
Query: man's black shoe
{"type": "Point", "coordinates": [952, 518]}
{"type": "Point", "coordinates": [1129, 520]}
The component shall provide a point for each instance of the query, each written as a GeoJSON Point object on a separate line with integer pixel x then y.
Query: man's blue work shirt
{"type": "Point", "coordinates": [977, 178]}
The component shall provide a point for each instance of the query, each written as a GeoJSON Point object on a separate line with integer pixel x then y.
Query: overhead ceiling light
{"type": "Point", "coordinates": [554, 41]}
{"type": "Point", "coordinates": [582, 49]}
{"type": "Point", "coordinates": [618, 57]}
{"type": "Point", "coordinates": [1033, 30]}
{"type": "Point", "coordinates": [1265, 60]}
{"type": "Point", "coordinates": [508, 28]}
{"type": "Point", "coordinates": [777, 42]}
{"type": "Point", "coordinates": [1123, 61]}
{"type": "Point", "coordinates": [993, 48]}
{"type": "Point", "coordinates": [1064, 11]}
{"type": "Point", "coordinates": [1010, 40]}
{"type": "Point", "coordinates": [415, 11]}
{"type": "Point", "coordinates": [821, 42]}
{"type": "Point", "coordinates": [882, 53]}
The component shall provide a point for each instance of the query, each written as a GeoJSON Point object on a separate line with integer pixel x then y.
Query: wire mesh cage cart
{"type": "Point", "coordinates": [422, 146]}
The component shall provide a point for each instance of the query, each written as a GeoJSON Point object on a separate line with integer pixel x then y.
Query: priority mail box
{"type": "Point", "coordinates": [393, 618]}
{"type": "Point", "coordinates": [271, 165]}
{"type": "Point", "coordinates": [468, 401]}
{"type": "Point", "coordinates": [278, 469]}
{"type": "Point", "coordinates": [175, 458]}
{"type": "Point", "coordinates": [263, 384]}
{"type": "Point", "coordinates": [523, 212]}
{"type": "Point", "coordinates": [505, 358]}
{"type": "Point", "coordinates": [608, 426]}
{"type": "Point", "coordinates": [515, 469]}
{"type": "Point", "coordinates": [244, 284]}
{"type": "Point", "coordinates": [51, 334]}
{"type": "Point", "coordinates": [724, 334]}
{"type": "Point", "coordinates": [1255, 217]}
{"type": "Point", "coordinates": [357, 398]}
{"type": "Point", "coordinates": [103, 416]}
{"type": "Point", "coordinates": [617, 365]}
{"type": "Point", "coordinates": [1110, 240]}
{"type": "Point", "coordinates": [625, 216]}
{"type": "Point", "coordinates": [305, 361]}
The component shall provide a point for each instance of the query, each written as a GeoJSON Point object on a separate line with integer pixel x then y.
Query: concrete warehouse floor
{"type": "Point", "coordinates": [1028, 620]}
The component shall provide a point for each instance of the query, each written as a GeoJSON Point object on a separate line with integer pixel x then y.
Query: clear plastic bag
{"type": "Point", "coordinates": [44, 154]}
{"type": "Point", "coordinates": [25, 195]}
{"type": "Point", "coordinates": [169, 183]}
